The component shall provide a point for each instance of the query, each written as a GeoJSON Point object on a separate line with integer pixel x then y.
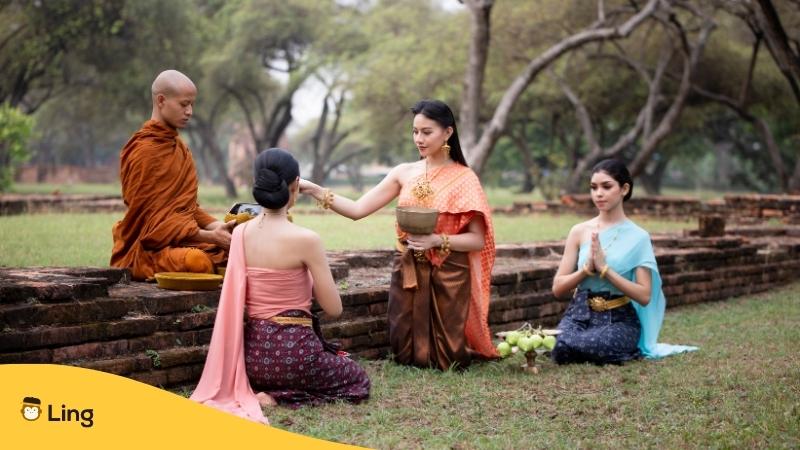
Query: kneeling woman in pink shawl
{"type": "Point", "coordinates": [272, 267]}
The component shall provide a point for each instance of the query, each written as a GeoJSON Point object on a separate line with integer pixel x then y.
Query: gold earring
{"type": "Point", "coordinates": [446, 148]}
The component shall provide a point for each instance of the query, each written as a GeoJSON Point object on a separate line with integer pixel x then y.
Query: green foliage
{"type": "Point", "coordinates": [155, 358]}
{"type": "Point", "coordinates": [84, 69]}
{"type": "Point", "coordinates": [15, 129]}
{"type": "Point", "coordinates": [47, 43]}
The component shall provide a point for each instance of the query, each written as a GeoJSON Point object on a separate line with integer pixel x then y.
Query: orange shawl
{"type": "Point", "coordinates": [159, 187]}
{"type": "Point", "coordinates": [459, 198]}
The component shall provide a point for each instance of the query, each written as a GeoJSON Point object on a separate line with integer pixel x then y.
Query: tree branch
{"type": "Point", "coordinates": [479, 154]}
{"type": "Point", "coordinates": [672, 115]}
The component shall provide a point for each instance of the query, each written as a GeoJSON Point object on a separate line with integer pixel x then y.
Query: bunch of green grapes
{"type": "Point", "coordinates": [526, 339]}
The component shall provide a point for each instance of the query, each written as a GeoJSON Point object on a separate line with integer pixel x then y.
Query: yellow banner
{"type": "Point", "coordinates": [54, 406]}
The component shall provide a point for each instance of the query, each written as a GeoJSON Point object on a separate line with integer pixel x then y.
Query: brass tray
{"type": "Point", "coordinates": [188, 281]}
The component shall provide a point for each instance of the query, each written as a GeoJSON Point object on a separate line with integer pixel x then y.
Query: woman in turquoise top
{"type": "Point", "coordinates": [609, 266]}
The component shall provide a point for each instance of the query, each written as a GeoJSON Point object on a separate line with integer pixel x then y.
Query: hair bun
{"type": "Point", "coordinates": [269, 181]}
{"type": "Point", "coordinates": [273, 171]}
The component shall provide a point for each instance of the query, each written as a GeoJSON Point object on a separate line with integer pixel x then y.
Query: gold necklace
{"type": "Point", "coordinates": [422, 189]}
{"type": "Point", "coordinates": [606, 247]}
{"type": "Point", "coordinates": [266, 213]}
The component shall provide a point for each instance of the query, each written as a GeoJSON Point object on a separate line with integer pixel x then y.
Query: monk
{"type": "Point", "coordinates": [164, 229]}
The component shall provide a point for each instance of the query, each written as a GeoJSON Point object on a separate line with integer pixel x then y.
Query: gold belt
{"type": "Point", "coordinates": [304, 321]}
{"type": "Point", "coordinates": [600, 304]}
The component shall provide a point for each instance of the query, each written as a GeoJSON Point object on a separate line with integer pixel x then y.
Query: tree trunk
{"type": "Point", "coordinates": [652, 181]}
{"type": "Point", "coordinates": [208, 136]}
{"type": "Point", "coordinates": [724, 168]}
{"type": "Point", "coordinates": [528, 163]}
{"type": "Point", "coordinates": [472, 96]}
{"type": "Point", "coordinates": [355, 176]}
{"type": "Point", "coordinates": [794, 182]}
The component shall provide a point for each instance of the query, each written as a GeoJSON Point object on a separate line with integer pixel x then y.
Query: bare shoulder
{"type": "Point", "coordinates": [405, 171]}
{"type": "Point", "coordinates": [580, 231]}
{"type": "Point", "coordinates": [306, 238]}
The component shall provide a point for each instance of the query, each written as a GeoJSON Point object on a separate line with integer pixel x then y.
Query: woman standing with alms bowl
{"type": "Point", "coordinates": [439, 293]}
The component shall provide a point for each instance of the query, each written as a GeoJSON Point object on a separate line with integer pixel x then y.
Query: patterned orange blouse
{"type": "Point", "coordinates": [459, 198]}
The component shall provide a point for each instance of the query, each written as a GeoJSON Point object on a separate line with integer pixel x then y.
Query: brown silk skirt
{"type": "Point", "coordinates": [428, 309]}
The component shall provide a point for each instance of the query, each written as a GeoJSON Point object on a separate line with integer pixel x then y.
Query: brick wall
{"type": "Point", "coordinates": [755, 206]}
{"type": "Point", "coordinates": [97, 318]}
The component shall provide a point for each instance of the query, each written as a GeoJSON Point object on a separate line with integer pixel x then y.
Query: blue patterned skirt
{"type": "Point", "coordinates": [294, 366]}
{"type": "Point", "coordinates": [599, 337]}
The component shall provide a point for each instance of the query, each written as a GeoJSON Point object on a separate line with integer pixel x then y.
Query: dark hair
{"type": "Point", "coordinates": [273, 171]}
{"type": "Point", "coordinates": [617, 170]}
{"type": "Point", "coordinates": [439, 111]}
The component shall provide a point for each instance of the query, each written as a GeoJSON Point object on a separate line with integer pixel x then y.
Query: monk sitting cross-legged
{"type": "Point", "coordinates": [164, 229]}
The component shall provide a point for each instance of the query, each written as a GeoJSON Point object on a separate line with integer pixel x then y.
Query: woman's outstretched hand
{"type": "Point", "coordinates": [423, 241]}
{"type": "Point", "coordinates": [309, 188]}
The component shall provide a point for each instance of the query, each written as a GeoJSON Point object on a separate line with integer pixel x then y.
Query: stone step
{"type": "Point", "coordinates": [185, 309]}
{"type": "Point", "coordinates": [170, 377]}
{"type": "Point", "coordinates": [363, 310]}
{"type": "Point", "coordinates": [149, 366]}
{"type": "Point", "coordinates": [30, 314]}
{"type": "Point", "coordinates": [107, 349]}
{"type": "Point", "coordinates": [364, 296]}
{"type": "Point", "coordinates": [56, 336]}
{"type": "Point", "coordinates": [521, 313]}
{"type": "Point", "coordinates": [159, 301]}
{"type": "Point", "coordinates": [57, 284]}
{"type": "Point", "coordinates": [522, 300]}
{"type": "Point", "coordinates": [355, 327]}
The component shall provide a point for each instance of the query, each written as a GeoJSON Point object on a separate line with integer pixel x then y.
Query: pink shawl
{"type": "Point", "coordinates": [224, 384]}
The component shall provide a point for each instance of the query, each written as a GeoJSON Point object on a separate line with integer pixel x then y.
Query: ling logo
{"type": "Point", "coordinates": [32, 410]}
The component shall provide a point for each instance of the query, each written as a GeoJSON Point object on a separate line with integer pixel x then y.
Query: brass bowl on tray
{"type": "Point", "coordinates": [243, 212]}
{"type": "Point", "coordinates": [188, 281]}
{"type": "Point", "coordinates": [416, 219]}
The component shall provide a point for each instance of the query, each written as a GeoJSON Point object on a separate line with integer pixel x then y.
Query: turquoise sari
{"type": "Point", "coordinates": [627, 246]}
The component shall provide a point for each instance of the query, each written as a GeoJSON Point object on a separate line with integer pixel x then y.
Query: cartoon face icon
{"type": "Point", "coordinates": [31, 408]}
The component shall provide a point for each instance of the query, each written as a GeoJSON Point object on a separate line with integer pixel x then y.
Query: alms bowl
{"type": "Point", "coordinates": [416, 219]}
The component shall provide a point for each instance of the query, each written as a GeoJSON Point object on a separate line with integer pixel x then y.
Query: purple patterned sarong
{"type": "Point", "coordinates": [289, 363]}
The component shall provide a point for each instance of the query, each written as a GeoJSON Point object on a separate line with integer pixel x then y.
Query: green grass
{"type": "Point", "coordinates": [77, 239]}
{"type": "Point", "coordinates": [66, 188]}
{"type": "Point", "coordinates": [741, 390]}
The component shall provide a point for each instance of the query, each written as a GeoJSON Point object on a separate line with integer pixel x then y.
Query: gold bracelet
{"type": "Point", "coordinates": [444, 249]}
{"type": "Point", "coordinates": [587, 271]}
{"type": "Point", "coordinates": [327, 200]}
{"type": "Point", "coordinates": [603, 272]}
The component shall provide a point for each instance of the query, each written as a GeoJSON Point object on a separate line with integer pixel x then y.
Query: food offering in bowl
{"type": "Point", "coordinates": [188, 281]}
{"type": "Point", "coordinates": [416, 219]}
{"type": "Point", "coordinates": [243, 212]}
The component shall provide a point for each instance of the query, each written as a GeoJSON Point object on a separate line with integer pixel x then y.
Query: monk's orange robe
{"type": "Point", "coordinates": [159, 187]}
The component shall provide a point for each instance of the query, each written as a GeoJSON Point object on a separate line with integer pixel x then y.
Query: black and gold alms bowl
{"type": "Point", "coordinates": [243, 212]}
{"type": "Point", "coordinates": [416, 219]}
{"type": "Point", "coordinates": [188, 281]}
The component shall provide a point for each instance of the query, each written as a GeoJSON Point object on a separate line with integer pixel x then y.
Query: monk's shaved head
{"type": "Point", "coordinates": [173, 98]}
{"type": "Point", "coordinates": [171, 82]}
